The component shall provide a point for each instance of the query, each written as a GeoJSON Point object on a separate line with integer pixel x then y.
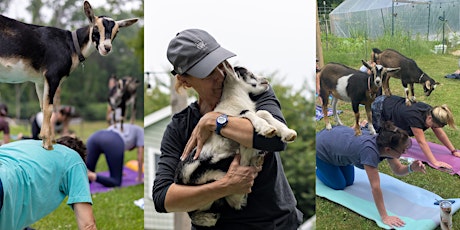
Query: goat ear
{"type": "Point", "coordinates": [393, 70]}
{"type": "Point", "coordinates": [365, 64]}
{"type": "Point", "coordinates": [89, 12]}
{"type": "Point", "coordinates": [127, 22]}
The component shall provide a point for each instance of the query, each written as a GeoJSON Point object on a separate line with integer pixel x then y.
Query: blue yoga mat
{"type": "Point", "coordinates": [414, 205]}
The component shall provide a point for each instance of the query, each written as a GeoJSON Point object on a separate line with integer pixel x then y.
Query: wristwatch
{"type": "Point", "coordinates": [221, 121]}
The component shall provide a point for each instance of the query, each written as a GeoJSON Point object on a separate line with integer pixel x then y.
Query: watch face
{"type": "Point", "coordinates": [221, 119]}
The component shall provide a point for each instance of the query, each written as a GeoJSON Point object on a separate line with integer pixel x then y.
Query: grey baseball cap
{"type": "Point", "coordinates": [196, 53]}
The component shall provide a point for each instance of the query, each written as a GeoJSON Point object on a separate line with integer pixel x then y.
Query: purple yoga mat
{"type": "Point", "coordinates": [439, 151]}
{"type": "Point", "coordinates": [129, 179]}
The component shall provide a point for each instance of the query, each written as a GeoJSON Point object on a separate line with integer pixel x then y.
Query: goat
{"type": "Point", "coordinates": [409, 74]}
{"type": "Point", "coordinates": [46, 55]}
{"type": "Point", "coordinates": [347, 84]}
{"type": "Point", "coordinates": [121, 95]}
{"type": "Point", "coordinates": [218, 152]}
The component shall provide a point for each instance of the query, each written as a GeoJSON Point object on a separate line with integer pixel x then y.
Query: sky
{"type": "Point", "coordinates": [266, 35]}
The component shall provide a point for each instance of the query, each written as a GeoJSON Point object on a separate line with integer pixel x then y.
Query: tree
{"type": "Point", "coordinates": [299, 157]}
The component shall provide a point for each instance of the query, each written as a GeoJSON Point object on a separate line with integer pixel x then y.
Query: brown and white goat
{"type": "Point", "coordinates": [347, 84]}
{"type": "Point", "coordinates": [409, 74]}
{"type": "Point", "coordinates": [123, 94]}
{"type": "Point", "coordinates": [46, 55]}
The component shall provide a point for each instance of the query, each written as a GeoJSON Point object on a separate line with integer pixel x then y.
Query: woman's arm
{"type": "Point", "coordinates": [374, 180]}
{"type": "Point", "coordinates": [84, 215]}
{"type": "Point", "coordinates": [444, 139]}
{"type": "Point", "coordinates": [402, 170]}
{"type": "Point", "coordinates": [237, 180]}
{"type": "Point", "coordinates": [140, 162]}
{"type": "Point", "coordinates": [420, 137]}
{"type": "Point", "coordinates": [6, 138]}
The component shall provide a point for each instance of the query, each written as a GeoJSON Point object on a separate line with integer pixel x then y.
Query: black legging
{"type": "Point", "coordinates": [112, 145]}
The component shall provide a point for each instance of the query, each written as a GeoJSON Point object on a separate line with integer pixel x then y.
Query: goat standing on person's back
{"type": "Point", "coordinates": [45, 55]}
{"type": "Point", "coordinates": [347, 84]}
{"type": "Point", "coordinates": [121, 95]}
{"type": "Point", "coordinates": [409, 74]}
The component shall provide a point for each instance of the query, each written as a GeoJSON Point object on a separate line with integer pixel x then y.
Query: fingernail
{"type": "Point", "coordinates": [181, 158]}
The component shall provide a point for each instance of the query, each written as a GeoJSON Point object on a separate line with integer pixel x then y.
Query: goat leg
{"type": "Point", "coordinates": [411, 86]}
{"type": "Point", "coordinates": [356, 126]}
{"type": "Point", "coordinates": [334, 111]}
{"type": "Point", "coordinates": [370, 126]}
{"type": "Point", "coordinates": [406, 92]}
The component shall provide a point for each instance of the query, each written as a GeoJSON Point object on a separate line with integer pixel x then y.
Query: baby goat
{"type": "Point", "coordinates": [347, 84]}
{"type": "Point", "coordinates": [218, 152]}
{"type": "Point", "coordinates": [45, 55]}
{"type": "Point", "coordinates": [121, 95]}
{"type": "Point", "coordinates": [410, 73]}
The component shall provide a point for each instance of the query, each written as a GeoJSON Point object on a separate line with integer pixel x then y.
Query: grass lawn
{"type": "Point", "coordinates": [112, 210]}
{"type": "Point", "coordinates": [333, 216]}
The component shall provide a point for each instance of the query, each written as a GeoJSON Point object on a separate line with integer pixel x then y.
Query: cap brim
{"type": "Point", "coordinates": [204, 67]}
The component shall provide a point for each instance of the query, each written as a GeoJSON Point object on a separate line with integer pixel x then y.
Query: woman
{"type": "Point", "coordinates": [338, 150]}
{"type": "Point", "coordinates": [113, 142]}
{"type": "Point", "coordinates": [415, 119]}
{"type": "Point", "coordinates": [59, 122]}
{"type": "Point", "coordinates": [198, 62]}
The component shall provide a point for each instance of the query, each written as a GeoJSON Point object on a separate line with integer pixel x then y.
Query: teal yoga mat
{"type": "Point", "coordinates": [414, 205]}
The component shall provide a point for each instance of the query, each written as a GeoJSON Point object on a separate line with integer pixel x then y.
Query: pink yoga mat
{"type": "Point", "coordinates": [129, 179]}
{"type": "Point", "coordinates": [439, 151]}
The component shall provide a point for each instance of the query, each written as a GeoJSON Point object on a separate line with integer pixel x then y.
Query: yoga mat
{"type": "Point", "coordinates": [414, 205]}
{"type": "Point", "coordinates": [319, 112]}
{"type": "Point", "coordinates": [439, 151]}
{"type": "Point", "coordinates": [129, 179]}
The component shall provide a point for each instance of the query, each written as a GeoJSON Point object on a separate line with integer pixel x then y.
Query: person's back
{"type": "Point", "coordinates": [36, 181]}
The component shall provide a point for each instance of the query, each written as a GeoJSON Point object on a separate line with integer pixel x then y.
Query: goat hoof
{"type": "Point", "coordinates": [269, 132]}
{"type": "Point", "coordinates": [328, 126]}
{"type": "Point", "coordinates": [204, 218]}
{"type": "Point", "coordinates": [408, 103]}
{"type": "Point", "coordinates": [358, 132]}
{"type": "Point", "coordinates": [47, 147]}
{"type": "Point", "coordinates": [290, 137]}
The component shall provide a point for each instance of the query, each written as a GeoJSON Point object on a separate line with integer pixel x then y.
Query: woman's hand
{"type": "Point", "coordinates": [418, 166]}
{"type": "Point", "coordinates": [393, 221]}
{"type": "Point", "coordinates": [200, 134]}
{"type": "Point", "coordinates": [240, 179]}
{"type": "Point", "coordinates": [440, 164]}
{"type": "Point", "coordinates": [456, 153]}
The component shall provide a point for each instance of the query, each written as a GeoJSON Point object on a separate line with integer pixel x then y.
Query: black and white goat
{"type": "Point", "coordinates": [347, 84]}
{"type": "Point", "coordinates": [218, 152]}
{"type": "Point", "coordinates": [46, 55]}
{"type": "Point", "coordinates": [123, 94]}
{"type": "Point", "coordinates": [409, 74]}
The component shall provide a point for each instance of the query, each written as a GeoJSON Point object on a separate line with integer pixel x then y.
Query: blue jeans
{"type": "Point", "coordinates": [335, 177]}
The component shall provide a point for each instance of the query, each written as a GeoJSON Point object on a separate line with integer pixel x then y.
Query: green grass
{"type": "Point", "coordinates": [112, 210]}
{"type": "Point", "coordinates": [333, 216]}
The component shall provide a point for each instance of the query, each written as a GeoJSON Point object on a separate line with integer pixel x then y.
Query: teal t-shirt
{"type": "Point", "coordinates": [36, 181]}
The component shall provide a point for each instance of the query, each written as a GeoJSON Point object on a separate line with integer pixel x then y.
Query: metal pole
{"type": "Point", "coordinates": [392, 17]}
{"type": "Point", "coordinates": [443, 25]}
{"type": "Point", "coordinates": [429, 18]}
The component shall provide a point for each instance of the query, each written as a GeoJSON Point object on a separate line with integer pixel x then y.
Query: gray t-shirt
{"type": "Point", "coordinates": [339, 146]}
